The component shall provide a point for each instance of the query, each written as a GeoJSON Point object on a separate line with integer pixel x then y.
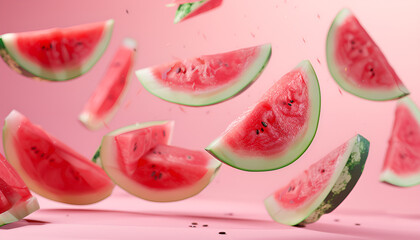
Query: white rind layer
{"type": "Point", "coordinates": [19, 211]}
{"type": "Point", "coordinates": [9, 40]}
{"type": "Point", "coordinates": [375, 94]}
{"type": "Point", "coordinates": [221, 150]}
{"type": "Point", "coordinates": [153, 85]}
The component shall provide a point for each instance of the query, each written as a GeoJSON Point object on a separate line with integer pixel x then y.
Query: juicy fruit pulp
{"type": "Point", "coordinates": [56, 54]}
{"type": "Point", "coordinates": [207, 79]}
{"type": "Point", "coordinates": [16, 201]}
{"type": "Point", "coordinates": [139, 160]}
{"type": "Point", "coordinates": [402, 161]}
{"type": "Point", "coordinates": [320, 188]}
{"type": "Point", "coordinates": [194, 8]}
{"type": "Point", "coordinates": [357, 64]}
{"type": "Point", "coordinates": [278, 129]}
{"type": "Point", "coordinates": [106, 98]}
{"type": "Point", "coordinates": [49, 167]}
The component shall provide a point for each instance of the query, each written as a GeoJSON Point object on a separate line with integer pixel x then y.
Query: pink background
{"type": "Point", "coordinates": [297, 31]}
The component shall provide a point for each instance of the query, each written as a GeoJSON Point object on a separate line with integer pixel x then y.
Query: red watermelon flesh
{"type": "Point", "coordinates": [16, 201]}
{"type": "Point", "coordinates": [402, 161]}
{"type": "Point", "coordinates": [56, 54]}
{"type": "Point", "coordinates": [278, 129]}
{"type": "Point", "coordinates": [357, 63]}
{"type": "Point", "coordinates": [49, 167]}
{"type": "Point", "coordinates": [206, 72]}
{"type": "Point", "coordinates": [167, 167]}
{"type": "Point", "coordinates": [134, 144]}
{"type": "Point", "coordinates": [277, 116]}
{"type": "Point", "coordinates": [107, 96]}
{"type": "Point", "coordinates": [69, 46]}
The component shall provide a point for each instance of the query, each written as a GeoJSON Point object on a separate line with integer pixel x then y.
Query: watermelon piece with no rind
{"type": "Point", "coordinates": [322, 187]}
{"type": "Point", "coordinates": [49, 167]}
{"type": "Point", "coordinates": [207, 79]}
{"type": "Point", "coordinates": [402, 161]}
{"type": "Point", "coordinates": [56, 54]}
{"type": "Point", "coordinates": [278, 129]}
{"type": "Point", "coordinates": [16, 201]}
{"type": "Point", "coordinates": [357, 64]}
{"type": "Point", "coordinates": [156, 172]}
{"type": "Point", "coordinates": [194, 8]}
{"type": "Point", "coordinates": [104, 102]}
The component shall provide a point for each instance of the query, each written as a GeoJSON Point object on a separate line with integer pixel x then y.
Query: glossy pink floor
{"type": "Point", "coordinates": [232, 203]}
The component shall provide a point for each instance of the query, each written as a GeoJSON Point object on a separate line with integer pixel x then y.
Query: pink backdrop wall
{"type": "Point", "coordinates": [297, 31]}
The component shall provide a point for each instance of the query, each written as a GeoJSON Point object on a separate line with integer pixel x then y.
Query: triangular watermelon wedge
{"type": "Point", "coordinates": [278, 129]}
{"type": "Point", "coordinates": [194, 8]}
{"type": "Point", "coordinates": [402, 161]}
{"type": "Point", "coordinates": [357, 64]}
{"type": "Point", "coordinates": [56, 54]}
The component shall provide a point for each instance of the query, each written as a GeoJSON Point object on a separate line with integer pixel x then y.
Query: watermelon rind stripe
{"type": "Point", "coordinates": [375, 94]}
{"type": "Point", "coordinates": [389, 176]}
{"type": "Point", "coordinates": [223, 152]}
{"type": "Point", "coordinates": [19, 211]}
{"type": "Point", "coordinates": [246, 78]}
{"type": "Point", "coordinates": [187, 8]}
{"type": "Point", "coordinates": [346, 174]}
{"type": "Point", "coordinates": [10, 53]}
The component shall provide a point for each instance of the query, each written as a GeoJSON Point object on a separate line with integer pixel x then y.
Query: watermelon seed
{"type": "Point", "coordinates": [264, 124]}
{"type": "Point", "coordinates": [42, 155]}
{"type": "Point", "coordinates": [289, 104]}
{"type": "Point", "coordinates": [205, 225]}
{"type": "Point", "coordinates": [189, 157]}
{"type": "Point", "coordinates": [33, 148]}
{"type": "Point", "coordinates": [135, 147]}
{"type": "Point", "coordinates": [323, 170]}
{"type": "Point", "coordinates": [291, 101]}
{"type": "Point", "coordinates": [258, 131]}
{"type": "Point", "coordinates": [178, 70]}
{"type": "Point", "coordinates": [51, 46]}
{"type": "Point", "coordinates": [52, 160]}
{"type": "Point", "coordinates": [262, 129]}
{"type": "Point", "coordinates": [164, 133]}
{"type": "Point", "coordinates": [222, 233]}
{"type": "Point", "coordinates": [37, 151]}
{"type": "Point", "coordinates": [226, 65]}
{"type": "Point", "coordinates": [194, 223]}
{"type": "Point", "coordinates": [153, 173]}
{"type": "Point", "coordinates": [79, 43]}
{"type": "Point", "coordinates": [154, 152]}
{"type": "Point", "coordinates": [160, 175]}
{"type": "Point", "coordinates": [357, 224]}
{"type": "Point", "coordinates": [153, 165]}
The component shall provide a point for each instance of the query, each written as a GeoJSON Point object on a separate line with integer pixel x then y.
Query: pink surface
{"type": "Point", "coordinates": [297, 31]}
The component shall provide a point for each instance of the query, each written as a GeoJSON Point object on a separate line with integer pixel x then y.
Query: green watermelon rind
{"type": "Point", "coordinates": [222, 151]}
{"type": "Point", "coordinates": [19, 211]}
{"type": "Point", "coordinates": [18, 63]}
{"type": "Point", "coordinates": [9, 132]}
{"type": "Point", "coordinates": [345, 177]}
{"type": "Point", "coordinates": [187, 8]}
{"type": "Point", "coordinates": [106, 155]}
{"type": "Point", "coordinates": [246, 78]}
{"type": "Point", "coordinates": [389, 176]}
{"type": "Point", "coordinates": [374, 94]}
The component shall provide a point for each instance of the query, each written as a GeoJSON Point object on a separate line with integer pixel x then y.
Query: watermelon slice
{"type": "Point", "coordinates": [56, 54]}
{"type": "Point", "coordinates": [357, 64]}
{"type": "Point", "coordinates": [49, 167]}
{"type": "Point", "coordinates": [178, 2]}
{"type": "Point", "coordinates": [322, 187]}
{"type": "Point", "coordinates": [194, 8]}
{"type": "Point", "coordinates": [206, 80]}
{"type": "Point", "coordinates": [138, 159]}
{"type": "Point", "coordinates": [105, 100]}
{"type": "Point", "coordinates": [402, 162]}
{"type": "Point", "coordinates": [278, 129]}
{"type": "Point", "coordinates": [16, 202]}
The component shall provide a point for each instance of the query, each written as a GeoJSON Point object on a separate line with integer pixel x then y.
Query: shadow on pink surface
{"type": "Point", "coordinates": [23, 223]}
